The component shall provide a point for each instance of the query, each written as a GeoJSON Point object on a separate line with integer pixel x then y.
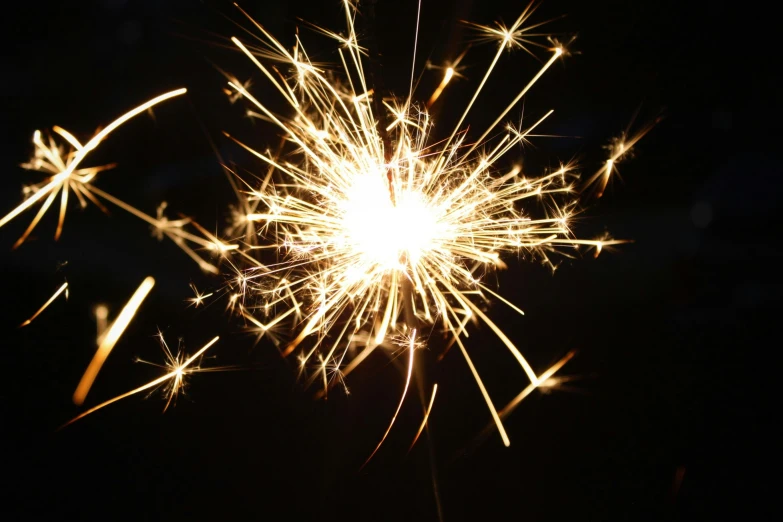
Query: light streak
{"type": "Point", "coordinates": [46, 304]}
{"type": "Point", "coordinates": [447, 76]}
{"type": "Point", "coordinates": [110, 339]}
{"type": "Point", "coordinates": [426, 417]}
{"type": "Point", "coordinates": [619, 148]}
{"type": "Point", "coordinates": [101, 317]}
{"type": "Point", "coordinates": [49, 159]}
{"type": "Point", "coordinates": [411, 351]}
{"type": "Point", "coordinates": [542, 379]}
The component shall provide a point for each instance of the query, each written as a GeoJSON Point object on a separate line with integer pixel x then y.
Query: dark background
{"type": "Point", "coordinates": [675, 331]}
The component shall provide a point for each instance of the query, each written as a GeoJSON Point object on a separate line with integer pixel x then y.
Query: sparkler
{"type": "Point", "coordinates": [384, 228]}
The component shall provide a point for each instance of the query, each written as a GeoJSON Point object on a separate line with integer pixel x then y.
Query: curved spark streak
{"type": "Point", "coordinates": [411, 350]}
{"type": "Point", "coordinates": [426, 416]}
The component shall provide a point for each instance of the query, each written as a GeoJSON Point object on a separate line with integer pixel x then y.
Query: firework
{"type": "Point", "coordinates": [382, 227]}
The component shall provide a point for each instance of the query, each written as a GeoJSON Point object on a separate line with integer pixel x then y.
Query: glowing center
{"type": "Point", "coordinates": [381, 232]}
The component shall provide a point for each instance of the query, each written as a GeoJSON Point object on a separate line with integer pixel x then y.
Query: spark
{"type": "Point", "coordinates": [177, 375]}
{"type": "Point", "coordinates": [101, 316]}
{"type": "Point", "coordinates": [450, 70]}
{"type": "Point", "coordinates": [411, 350]}
{"type": "Point", "coordinates": [545, 382]}
{"type": "Point", "coordinates": [519, 36]}
{"type": "Point", "coordinates": [619, 148]}
{"type": "Point", "coordinates": [542, 381]}
{"type": "Point", "coordinates": [198, 300]}
{"type": "Point", "coordinates": [381, 230]}
{"type": "Point", "coordinates": [426, 417]}
{"type": "Point", "coordinates": [60, 290]}
{"type": "Point", "coordinates": [110, 339]}
{"type": "Point", "coordinates": [447, 76]}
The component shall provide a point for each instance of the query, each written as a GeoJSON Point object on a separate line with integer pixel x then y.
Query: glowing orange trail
{"type": "Point", "coordinates": [101, 316]}
{"type": "Point", "coordinates": [508, 408]}
{"type": "Point", "coordinates": [46, 304]}
{"type": "Point", "coordinates": [110, 339]}
{"type": "Point", "coordinates": [426, 416]}
{"type": "Point", "coordinates": [177, 374]}
{"type": "Point", "coordinates": [446, 79]}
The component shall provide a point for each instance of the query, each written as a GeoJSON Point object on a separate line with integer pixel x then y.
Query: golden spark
{"type": "Point", "coordinates": [426, 417]}
{"type": "Point", "coordinates": [411, 349]}
{"type": "Point", "coordinates": [60, 290]}
{"type": "Point", "coordinates": [199, 297]}
{"type": "Point", "coordinates": [110, 338]}
{"type": "Point", "coordinates": [619, 148]}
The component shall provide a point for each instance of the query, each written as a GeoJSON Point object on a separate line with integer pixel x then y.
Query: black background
{"type": "Point", "coordinates": [674, 331]}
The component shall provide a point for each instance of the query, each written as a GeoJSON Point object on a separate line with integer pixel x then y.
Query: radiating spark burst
{"type": "Point", "coordinates": [384, 229]}
{"type": "Point", "coordinates": [110, 338]}
{"type": "Point", "coordinates": [63, 288]}
{"type": "Point", "coordinates": [67, 175]}
{"type": "Point", "coordinates": [179, 366]}
{"type": "Point", "coordinates": [198, 298]}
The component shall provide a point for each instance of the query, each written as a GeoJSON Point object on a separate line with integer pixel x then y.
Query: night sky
{"type": "Point", "coordinates": [669, 416]}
